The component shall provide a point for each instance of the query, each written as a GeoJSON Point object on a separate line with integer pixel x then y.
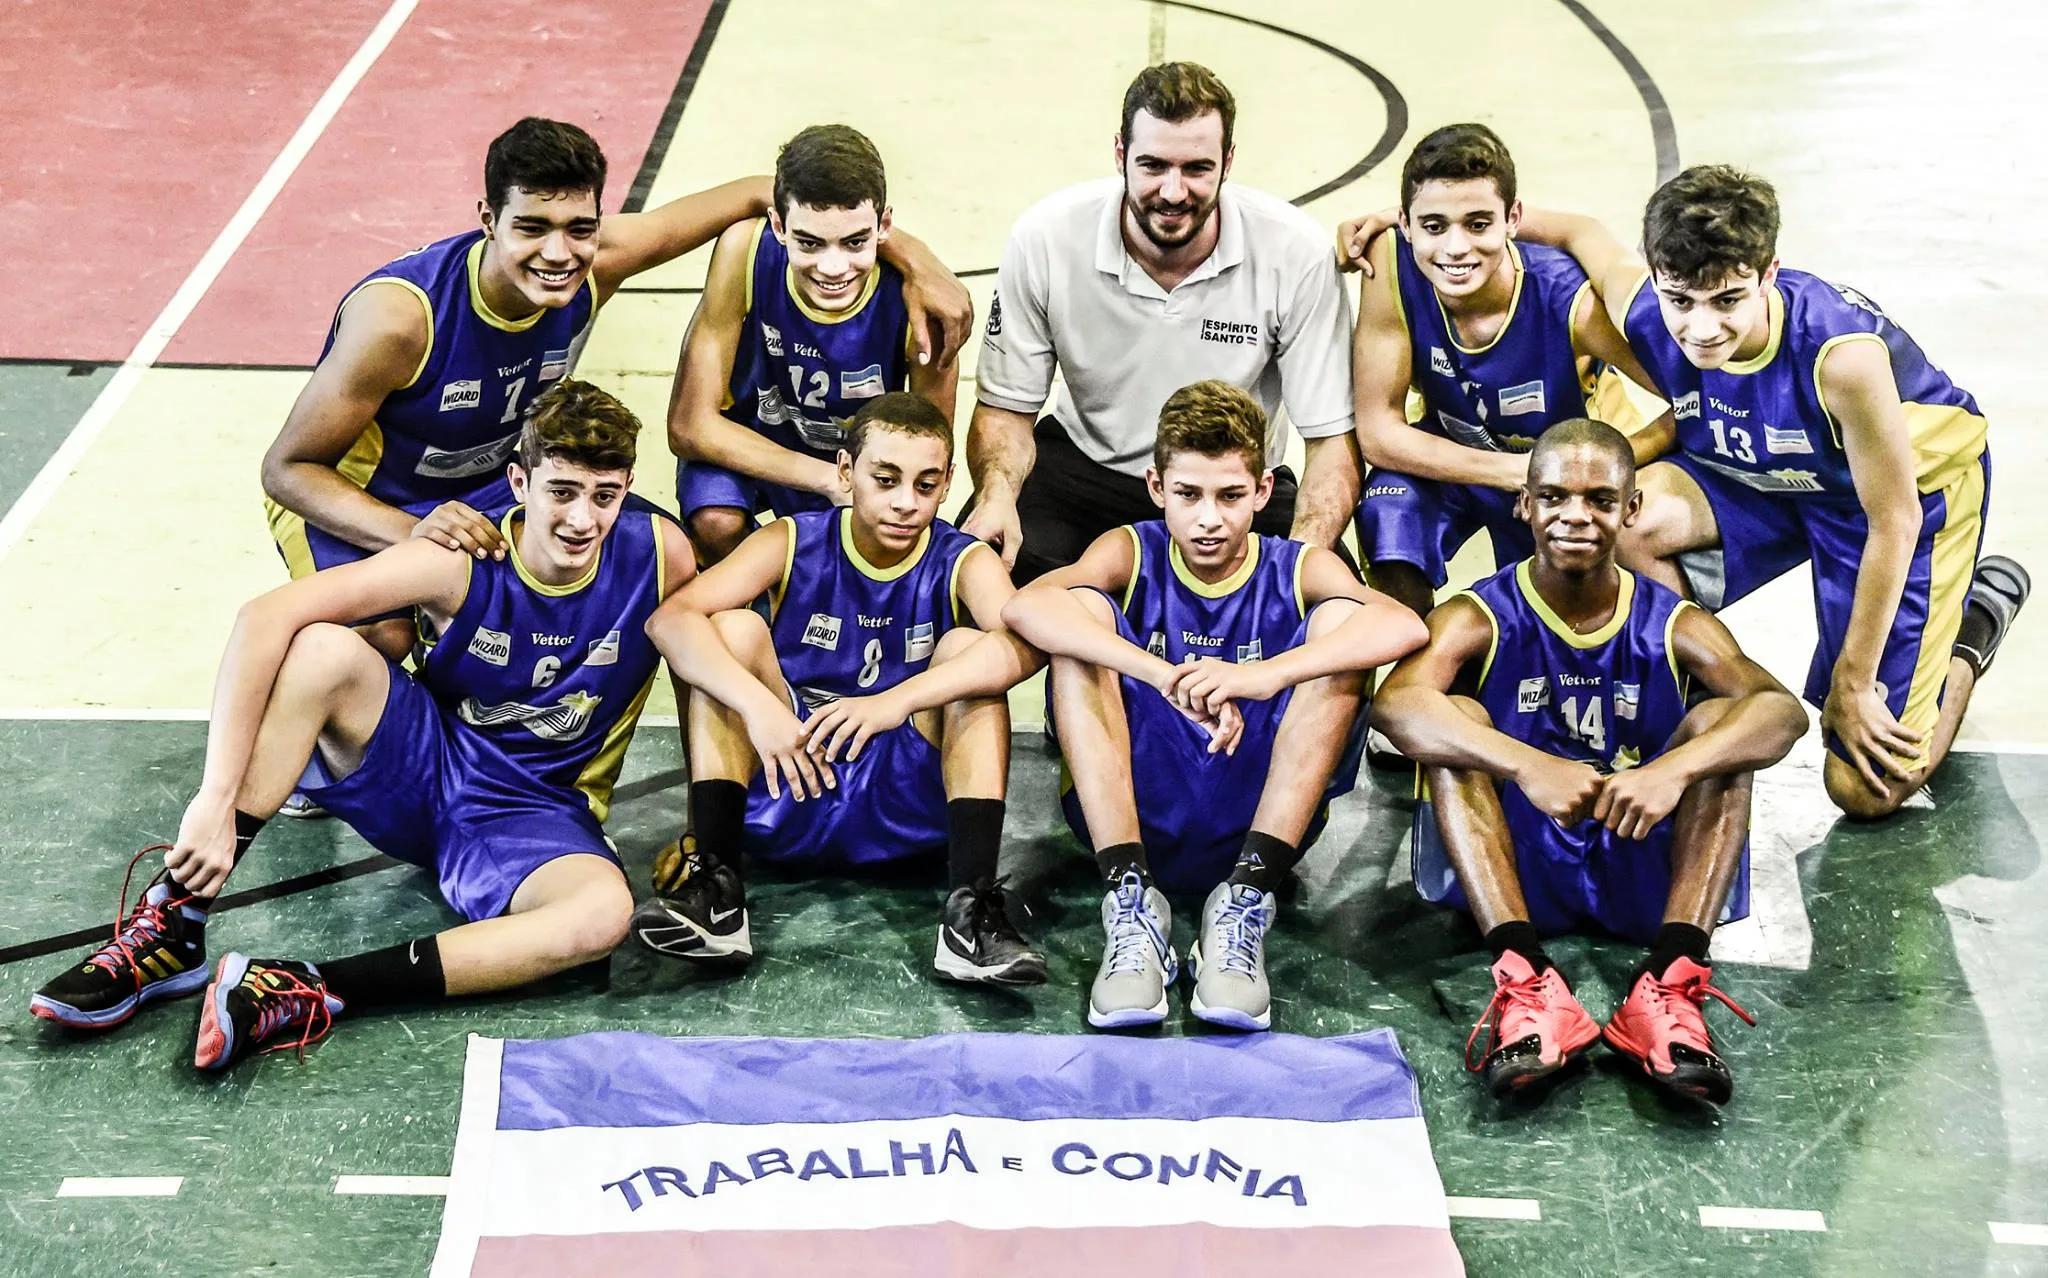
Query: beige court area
{"type": "Point", "coordinates": [1890, 130]}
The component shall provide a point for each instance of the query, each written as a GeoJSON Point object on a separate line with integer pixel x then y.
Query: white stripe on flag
{"type": "Point", "coordinates": [1811, 1222]}
{"type": "Point", "coordinates": [462, 1218]}
{"type": "Point", "coordinates": [120, 1186]}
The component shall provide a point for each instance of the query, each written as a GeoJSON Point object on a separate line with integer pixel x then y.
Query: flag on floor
{"type": "Point", "coordinates": [988, 1154]}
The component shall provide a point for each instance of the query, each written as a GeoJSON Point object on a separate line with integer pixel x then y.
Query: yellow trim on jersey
{"type": "Point", "coordinates": [288, 530]}
{"type": "Point", "coordinates": [1623, 600]}
{"type": "Point", "coordinates": [426, 304]}
{"type": "Point", "coordinates": [602, 772]}
{"type": "Point", "coordinates": [1137, 565]}
{"type": "Point", "coordinates": [867, 569]}
{"type": "Point", "coordinates": [1571, 313]}
{"type": "Point", "coordinates": [781, 587]}
{"type": "Point", "coordinates": [1671, 648]}
{"type": "Point", "coordinates": [360, 462]}
{"type": "Point", "coordinates": [1607, 400]}
{"type": "Point", "coordinates": [1300, 603]}
{"type": "Point", "coordinates": [1514, 305]}
{"type": "Point", "coordinates": [1223, 587]}
{"type": "Point", "coordinates": [1951, 563]}
{"type": "Point", "coordinates": [1742, 368]}
{"type": "Point", "coordinates": [1630, 305]}
{"type": "Point", "coordinates": [953, 577]}
{"type": "Point", "coordinates": [1492, 644]}
{"type": "Point", "coordinates": [816, 316]}
{"type": "Point", "coordinates": [747, 281]}
{"type": "Point", "coordinates": [534, 583]}
{"type": "Point", "coordinates": [660, 554]}
{"type": "Point", "coordinates": [483, 309]}
{"type": "Point", "coordinates": [1820, 357]}
{"type": "Point", "coordinates": [1947, 438]}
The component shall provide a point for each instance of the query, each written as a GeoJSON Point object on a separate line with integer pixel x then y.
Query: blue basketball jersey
{"type": "Point", "coordinates": [800, 374]}
{"type": "Point", "coordinates": [1253, 613]}
{"type": "Point", "coordinates": [845, 628]}
{"type": "Point", "coordinates": [450, 431]}
{"type": "Point", "coordinates": [1611, 698]}
{"type": "Point", "coordinates": [555, 676]}
{"type": "Point", "coordinates": [1504, 394]}
{"type": "Point", "coordinates": [1762, 423]}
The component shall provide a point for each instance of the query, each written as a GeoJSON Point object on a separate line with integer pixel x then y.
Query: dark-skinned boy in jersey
{"type": "Point", "coordinates": [1588, 740]}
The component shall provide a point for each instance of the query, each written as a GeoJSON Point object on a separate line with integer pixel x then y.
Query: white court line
{"type": "Point", "coordinates": [1811, 1222]}
{"type": "Point", "coordinates": [110, 714]}
{"type": "Point", "coordinates": [120, 1186]}
{"type": "Point", "coordinates": [158, 335]}
{"type": "Point", "coordinates": [1494, 1208]}
{"type": "Point", "coordinates": [2004, 1231]}
{"type": "Point", "coordinates": [1963, 746]}
{"type": "Point", "coordinates": [426, 1186]}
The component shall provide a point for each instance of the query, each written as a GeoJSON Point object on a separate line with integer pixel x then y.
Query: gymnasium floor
{"type": "Point", "coordinates": [194, 196]}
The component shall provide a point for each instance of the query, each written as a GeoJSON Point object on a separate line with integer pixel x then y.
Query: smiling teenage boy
{"type": "Point", "coordinates": [1208, 685]}
{"type": "Point", "coordinates": [492, 768]}
{"type": "Point", "coordinates": [863, 720]}
{"type": "Point", "coordinates": [1811, 429]}
{"type": "Point", "coordinates": [801, 323]}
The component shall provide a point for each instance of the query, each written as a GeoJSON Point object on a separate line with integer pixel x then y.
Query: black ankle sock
{"type": "Point", "coordinates": [1265, 862]}
{"type": "Point", "coordinates": [246, 829]}
{"type": "Point", "coordinates": [718, 817]}
{"type": "Point", "coordinates": [408, 973]}
{"type": "Point", "coordinates": [974, 839]}
{"type": "Point", "coordinates": [1974, 635]}
{"type": "Point", "coordinates": [1519, 935]}
{"type": "Point", "coordinates": [1675, 941]}
{"type": "Point", "coordinates": [1115, 861]}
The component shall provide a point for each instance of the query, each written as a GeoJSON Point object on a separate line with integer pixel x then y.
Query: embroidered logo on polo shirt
{"type": "Point", "coordinates": [1227, 333]}
{"type": "Point", "coordinates": [995, 317]}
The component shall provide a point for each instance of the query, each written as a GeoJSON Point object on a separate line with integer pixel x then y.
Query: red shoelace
{"type": "Point", "coordinates": [1527, 993]}
{"type": "Point", "coordinates": [137, 927]}
{"type": "Point", "coordinates": [281, 1003]}
{"type": "Point", "coordinates": [1685, 1003]}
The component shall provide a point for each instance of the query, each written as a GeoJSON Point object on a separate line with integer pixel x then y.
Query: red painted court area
{"type": "Point", "coordinates": [143, 135]}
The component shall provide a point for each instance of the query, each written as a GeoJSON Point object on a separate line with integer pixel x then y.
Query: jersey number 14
{"type": "Point", "coordinates": [1590, 728]}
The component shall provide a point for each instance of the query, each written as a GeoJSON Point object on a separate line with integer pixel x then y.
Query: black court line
{"type": "Point", "coordinates": [672, 115]}
{"type": "Point", "coordinates": [1662, 131]}
{"type": "Point", "coordinates": [1390, 137]}
{"type": "Point", "coordinates": [233, 901]}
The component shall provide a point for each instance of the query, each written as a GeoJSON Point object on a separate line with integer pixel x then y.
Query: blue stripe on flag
{"type": "Point", "coordinates": [639, 1080]}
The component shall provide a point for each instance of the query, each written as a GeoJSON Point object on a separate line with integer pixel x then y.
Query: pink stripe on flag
{"type": "Point", "coordinates": [919, 1251]}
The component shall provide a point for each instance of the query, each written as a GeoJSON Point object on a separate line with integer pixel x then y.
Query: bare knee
{"type": "Point", "coordinates": [325, 657]}
{"type": "Point", "coordinates": [393, 637]}
{"type": "Point", "coordinates": [954, 642]}
{"type": "Point", "coordinates": [1848, 791]}
{"type": "Point", "coordinates": [743, 633]}
{"type": "Point", "coordinates": [718, 531]}
{"type": "Point", "coordinates": [593, 922]}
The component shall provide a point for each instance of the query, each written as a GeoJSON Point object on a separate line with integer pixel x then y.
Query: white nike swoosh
{"type": "Point", "coordinates": [720, 916]}
{"type": "Point", "coordinates": [965, 944]}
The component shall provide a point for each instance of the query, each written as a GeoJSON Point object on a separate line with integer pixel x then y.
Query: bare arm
{"type": "Point", "coordinates": [1000, 454]}
{"type": "Point", "coordinates": [1857, 390]}
{"type": "Point", "coordinates": [940, 306]}
{"type": "Point", "coordinates": [1414, 707]}
{"type": "Point", "coordinates": [697, 429]}
{"type": "Point", "coordinates": [1051, 619]}
{"type": "Point", "coordinates": [1328, 495]}
{"type": "Point", "coordinates": [938, 383]}
{"type": "Point", "coordinates": [1613, 267]}
{"type": "Point", "coordinates": [629, 243]}
{"type": "Point", "coordinates": [1382, 370]}
{"type": "Point", "coordinates": [678, 556]}
{"type": "Point", "coordinates": [380, 343]}
{"type": "Point", "coordinates": [1594, 334]}
{"type": "Point", "coordinates": [1761, 726]}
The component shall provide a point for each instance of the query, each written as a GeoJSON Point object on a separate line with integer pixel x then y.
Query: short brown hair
{"type": "Point", "coordinates": [1459, 153]}
{"type": "Point", "coordinates": [829, 166]}
{"type": "Point", "coordinates": [1214, 419]}
{"type": "Point", "coordinates": [1709, 223]}
{"type": "Point", "coordinates": [1176, 92]}
{"type": "Point", "coordinates": [577, 423]}
{"type": "Point", "coordinates": [903, 413]}
{"type": "Point", "coordinates": [542, 156]}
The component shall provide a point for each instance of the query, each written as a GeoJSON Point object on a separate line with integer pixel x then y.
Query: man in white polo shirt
{"type": "Point", "coordinates": [1135, 287]}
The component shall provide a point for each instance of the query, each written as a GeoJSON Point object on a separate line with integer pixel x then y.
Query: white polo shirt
{"type": "Point", "coordinates": [1265, 311]}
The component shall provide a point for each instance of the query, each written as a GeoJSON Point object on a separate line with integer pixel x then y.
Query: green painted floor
{"type": "Point", "coordinates": [1894, 1087]}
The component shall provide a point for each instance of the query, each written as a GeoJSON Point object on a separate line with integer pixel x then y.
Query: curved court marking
{"type": "Point", "coordinates": [672, 114]}
{"type": "Point", "coordinates": [176, 311]}
{"type": "Point", "coordinates": [1663, 132]}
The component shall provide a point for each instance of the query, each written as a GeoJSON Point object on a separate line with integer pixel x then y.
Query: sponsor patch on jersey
{"type": "Point", "coordinates": [1526, 398]}
{"type": "Point", "coordinates": [1253, 651]}
{"type": "Point", "coordinates": [465, 463]}
{"type": "Point", "coordinates": [554, 364]}
{"type": "Point", "coordinates": [1627, 697]}
{"type": "Point", "coordinates": [919, 644]}
{"type": "Point", "coordinates": [1467, 433]}
{"type": "Point", "coordinates": [1532, 695]}
{"type": "Point", "coordinates": [823, 632]}
{"type": "Point", "coordinates": [603, 652]}
{"type": "Point", "coordinates": [865, 383]}
{"type": "Point", "coordinates": [773, 336]}
{"type": "Point", "coordinates": [1786, 439]}
{"type": "Point", "coordinates": [1686, 405]}
{"type": "Point", "coordinates": [469, 394]}
{"type": "Point", "coordinates": [565, 720]}
{"type": "Point", "coordinates": [1625, 758]}
{"type": "Point", "coordinates": [1156, 645]}
{"type": "Point", "coordinates": [1440, 362]}
{"type": "Point", "coordinates": [494, 646]}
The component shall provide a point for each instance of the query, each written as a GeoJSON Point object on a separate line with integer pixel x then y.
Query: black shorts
{"type": "Point", "coordinates": [1069, 500]}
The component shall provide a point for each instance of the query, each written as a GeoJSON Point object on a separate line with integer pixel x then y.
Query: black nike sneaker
{"type": "Point", "coordinates": [703, 917]}
{"type": "Point", "coordinates": [978, 944]}
{"type": "Point", "coordinates": [158, 951]}
{"type": "Point", "coordinates": [262, 1005]}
